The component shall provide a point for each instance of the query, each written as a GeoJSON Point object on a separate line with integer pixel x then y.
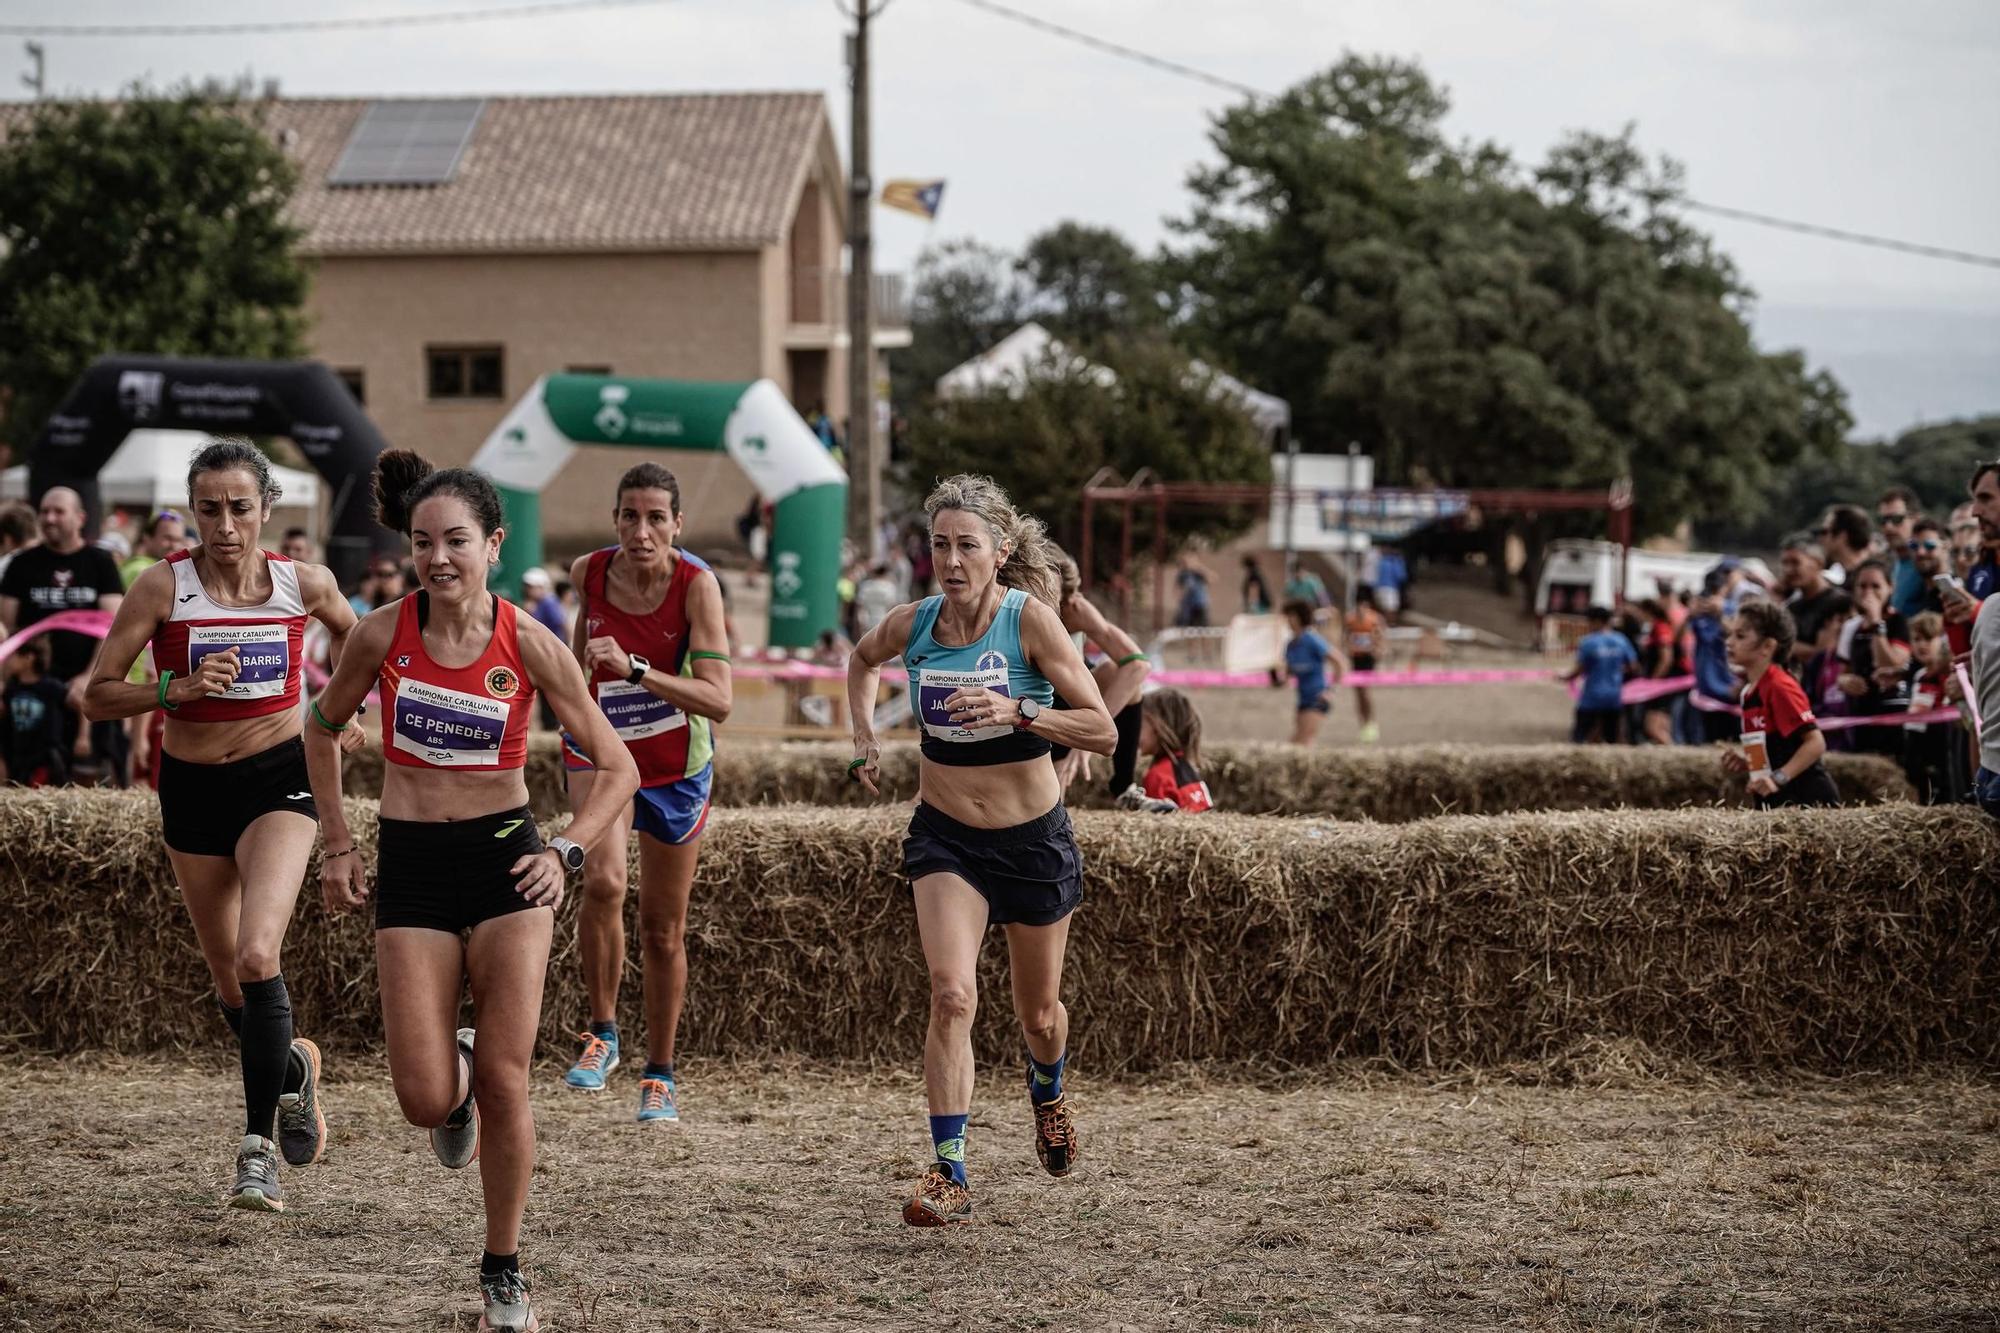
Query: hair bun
{"type": "Point", "coordinates": [397, 472]}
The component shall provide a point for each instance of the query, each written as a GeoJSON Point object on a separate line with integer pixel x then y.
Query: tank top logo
{"type": "Point", "coordinates": [501, 682]}
{"type": "Point", "coordinates": [448, 728]}
{"type": "Point", "coordinates": [992, 661]}
{"type": "Point", "coordinates": [263, 652]}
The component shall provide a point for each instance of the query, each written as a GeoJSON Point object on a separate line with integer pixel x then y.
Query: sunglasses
{"type": "Point", "coordinates": [1886, 519]}
{"type": "Point", "coordinates": [1925, 546]}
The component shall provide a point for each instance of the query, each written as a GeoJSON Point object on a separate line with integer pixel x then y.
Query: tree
{"type": "Point", "coordinates": [1089, 286]}
{"type": "Point", "coordinates": [155, 225]}
{"type": "Point", "coordinates": [964, 298]}
{"type": "Point", "coordinates": [1472, 324]}
{"type": "Point", "coordinates": [1044, 444]}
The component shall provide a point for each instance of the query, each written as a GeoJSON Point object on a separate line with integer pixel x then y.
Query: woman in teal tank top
{"type": "Point", "coordinates": [990, 842]}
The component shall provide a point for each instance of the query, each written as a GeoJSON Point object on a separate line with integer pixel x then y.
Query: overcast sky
{"type": "Point", "coordinates": [1857, 114]}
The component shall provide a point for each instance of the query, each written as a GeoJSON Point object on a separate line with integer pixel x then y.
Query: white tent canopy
{"type": "Point", "coordinates": [1008, 365]}
{"type": "Point", "coordinates": [149, 471]}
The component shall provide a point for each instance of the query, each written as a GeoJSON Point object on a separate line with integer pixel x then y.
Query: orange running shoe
{"type": "Point", "coordinates": [1055, 1136]}
{"type": "Point", "coordinates": [940, 1201]}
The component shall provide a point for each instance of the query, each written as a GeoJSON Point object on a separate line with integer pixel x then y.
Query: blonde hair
{"type": "Point", "coordinates": [1031, 557]}
{"type": "Point", "coordinates": [1175, 723]}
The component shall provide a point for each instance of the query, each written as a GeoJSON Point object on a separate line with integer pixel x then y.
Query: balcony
{"type": "Point", "coordinates": [818, 314]}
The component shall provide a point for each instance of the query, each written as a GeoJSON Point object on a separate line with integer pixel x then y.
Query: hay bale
{"type": "Point", "coordinates": [1831, 940]}
{"type": "Point", "coordinates": [1389, 786]}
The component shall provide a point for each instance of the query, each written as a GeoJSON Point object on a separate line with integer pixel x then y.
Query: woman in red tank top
{"type": "Point", "coordinates": [464, 887]}
{"type": "Point", "coordinates": [235, 806]}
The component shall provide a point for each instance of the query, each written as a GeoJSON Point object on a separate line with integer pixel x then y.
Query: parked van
{"type": "Point", "coordinates": [1577, 575]}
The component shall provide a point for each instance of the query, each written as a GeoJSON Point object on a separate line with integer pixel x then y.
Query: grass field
{"type": "Point", "coordinates": [1360, 1200]}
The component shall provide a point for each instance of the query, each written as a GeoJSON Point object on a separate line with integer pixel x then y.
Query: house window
{"type": "Point", "coordinates": [589, 370]}
{"type": "Point", "coordinates": [356, 381]}
{"type": "Point", "coordinates": [465, 372]}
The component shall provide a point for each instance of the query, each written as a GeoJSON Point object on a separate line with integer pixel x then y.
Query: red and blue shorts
{"type": "Point", "coordinates": [668, 812]}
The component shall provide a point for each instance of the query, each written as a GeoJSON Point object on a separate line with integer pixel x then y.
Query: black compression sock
{"type": "Point", "coordinates": [267, 1051]}
{"type": "Point", "coordinates": [491, 1263]}
{"type": "Point", "coordinates": [232, 1014]}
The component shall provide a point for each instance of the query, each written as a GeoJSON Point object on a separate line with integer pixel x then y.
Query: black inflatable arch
{"type": "Point", "coordinates": [300, 399]}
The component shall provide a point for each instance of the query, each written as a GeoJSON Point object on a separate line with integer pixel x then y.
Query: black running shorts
{"type": "Point", "coordinates": [204, 808]}
{"type": "Point", "coordinates": [1031, 874]}
{"type": "Point", "coordinates": [451, 876]}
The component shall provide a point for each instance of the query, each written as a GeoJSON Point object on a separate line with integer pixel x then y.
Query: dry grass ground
{"type": "Point", "coordinates": [1525, 713]}
{"type": "Point", "coordinates": [1357, 1200]}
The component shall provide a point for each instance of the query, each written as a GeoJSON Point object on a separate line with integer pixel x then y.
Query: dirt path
{"type": "Point", "coordinates": [1355, 1202]}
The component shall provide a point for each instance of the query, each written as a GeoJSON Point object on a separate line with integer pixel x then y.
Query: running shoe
{"type": "Point", "coordinates": [301, 1123]}
{"type": "Point", "coordinates": [940, 1201]}
{"type": "Point", "coordinates": [456, 1141]}
{"type": "Point", "coordinates": [657, 1101]}
{"type": "Point", "coordinates": [599, 1058]}
{"type": "Point", "coordinates": [1055, 1136]}
{"type": "Point", "coordinates": [1370, 733]}
{"type": "Point", "coordinates": [256, 1186]}
{"type": "Point", "coordinates": [507, 1309]}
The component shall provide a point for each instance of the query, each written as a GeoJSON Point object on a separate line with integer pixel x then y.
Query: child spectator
{"type": "Point", "coordinates": [1927, 746]}
{"type": "Point", "coordinates": [1170, 734]}
{"type": "Point", "coordinates": [1604, 658]}
{"type": "Point", "coordinates": [33, 720]}
{"type": "Point", "coordinates": [1782, 742]}
{"type": "Point", "coordinates": [1366, 634]}
{"type": "Point", "coordinates": [1307, 658]}
{"type": "Point", "coordinates": [1874, 652]}
{"type": "Point", "coordinates": [1821, 672]}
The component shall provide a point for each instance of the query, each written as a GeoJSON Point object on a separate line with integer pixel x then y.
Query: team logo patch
{"type": "Point", "coordinates": [990, 661]}
{"type": "Point", "coordinates": [403, 660]}
{"type": "Point", "coordinates": [501, 682]}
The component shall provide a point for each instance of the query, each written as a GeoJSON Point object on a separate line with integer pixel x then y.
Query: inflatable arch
{"type": "Point", "coordinates": [303, 400]}
{"type": "Point", "coordinates": [752, 421]}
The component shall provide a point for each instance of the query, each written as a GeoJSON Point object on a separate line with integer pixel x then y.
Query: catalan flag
{"type": "Point", "coordinates": [919, 197]}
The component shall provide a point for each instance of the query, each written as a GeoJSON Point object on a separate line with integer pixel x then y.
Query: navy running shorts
{"type": "Point", "coordinates": [205, 808]}
{"type": "Point", "coordinates": [1030, 875]}
{"type": "Point", "coordinates": [451, 876]}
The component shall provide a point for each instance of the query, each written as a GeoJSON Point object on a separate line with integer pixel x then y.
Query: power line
{"type": "Point", "coordinates": [1137, 56]}
{"type": "Point", "coordinates": [543, 10]}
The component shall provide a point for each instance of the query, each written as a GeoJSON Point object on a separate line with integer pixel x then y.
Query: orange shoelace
{"type": "Point", "coordinates": [942, 1190]}
{"type": "Point", "coordinates": [595, 1051]}
{"type": "Point", "coordinates": [655, 1094]}
{"type": "Point", "coordinates": [1052, 1122]}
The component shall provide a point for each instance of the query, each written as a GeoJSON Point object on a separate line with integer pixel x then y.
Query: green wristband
{"type": "Point", "coordinates": [1130, 658]}
{"type": "Point", "coordinates": [321, 719]}
{"type": "Point", "coordinates": [857, 763]}
{"type": "Point", "coordinates": [166, 679]}
{"type": "Point", "coordinates": [698, 655]}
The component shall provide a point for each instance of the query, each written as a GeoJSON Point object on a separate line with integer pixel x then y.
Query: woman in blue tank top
{"type": "Point", "coordinates": [990, 842]}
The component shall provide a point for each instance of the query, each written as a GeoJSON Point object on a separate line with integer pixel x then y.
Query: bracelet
{"type": "Point", "coordinates": [1130, 658]}
{"type": "Point", "coordinates": [713, 657]}
{"type": "Point", "coordinates": [321, 719]}
{"type": "Point", "coordinates": [857, 763]}
{"type": "Point", "coordinates": [166, 678]}
{"type": "Point", "coordinates": [329, 856]}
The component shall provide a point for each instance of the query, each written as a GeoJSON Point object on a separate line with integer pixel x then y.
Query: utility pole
{"type": "Point", "coordinates": [33, 82]}
{"type": "Point", "coordinates": [864, 462]}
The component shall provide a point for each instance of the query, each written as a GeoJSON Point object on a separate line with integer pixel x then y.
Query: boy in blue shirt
{"type": "Point", "coordinates": [1712, 676]}
{"type": "Point", "coordinates": [1604, 658]}
{"type": "Point", "coordinates": [1307, 657]}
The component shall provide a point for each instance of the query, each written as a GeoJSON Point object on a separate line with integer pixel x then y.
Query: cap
{"type": "Point", "coordinates": [536, 575]}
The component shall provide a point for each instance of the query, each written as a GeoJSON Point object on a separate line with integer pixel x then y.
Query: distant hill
{"type": "Point", "coordinates": [1901, 367]}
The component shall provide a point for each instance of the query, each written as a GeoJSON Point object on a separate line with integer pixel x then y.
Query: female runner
{"type": "Point", "coordinates": [652, 638]}
{"type": "Point", "coordinates": [1121, 677]}
{"type": "Point", "coordinates": [225, 621]}
{"type": "Point", "coordinates": [458, 854]}
{"type": "Point", "coordinates": [990, 841]}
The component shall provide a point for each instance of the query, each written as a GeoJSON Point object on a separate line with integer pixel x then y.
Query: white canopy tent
{"type": "Point", "coordinates": [149, 472]}
{"type": "Point", "coordinates": [1009, 364]}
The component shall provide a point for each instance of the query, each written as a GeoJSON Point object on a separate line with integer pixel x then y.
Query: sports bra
{"type": "Point", "coordinates": [995, 661]}
{"type": "Point", "coordinates": [267, 639]}
{"type": "Point", "coordinates": [472, 718]}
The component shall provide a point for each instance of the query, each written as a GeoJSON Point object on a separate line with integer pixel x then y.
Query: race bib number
{"type": "Point", "coordinates": [934, 687]}
{"type": "Point", "coordinates": [636, 712]}
{"type": "Point", "coordinates": [264, 653]}
{"type": "Point", "coordinates": [1759, 757]}
{"type": "Point", "coordinates": [447, 729]}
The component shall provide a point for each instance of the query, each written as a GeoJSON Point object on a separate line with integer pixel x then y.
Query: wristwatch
{"type": "Point", "coordinates": [569, 853]}
{"type": "Point", "coordinates": [1030, 710]}
{"type": "Point", "coordinates": [1779, 777]}
{"type": "Point", "coordinates": [640, 666]}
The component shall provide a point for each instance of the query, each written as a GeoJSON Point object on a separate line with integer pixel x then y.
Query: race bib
{"type": "Point", "coordinates": [636, 712]}
{"type": "Point", "coordinates": [263, 651]}
{"type": "Point", "coordinates": [934, 687]}
{"type": "Point", "coordinates": [447, 729]}
{"type": "Point", "coordinates": [1922, 701]}
{"type": "Point", "coordinates": [1754, 751]}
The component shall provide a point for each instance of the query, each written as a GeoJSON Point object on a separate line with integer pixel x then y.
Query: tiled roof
{"type": "Point", "coordinates": [713, 171]}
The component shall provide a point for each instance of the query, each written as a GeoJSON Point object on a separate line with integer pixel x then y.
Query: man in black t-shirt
{"type": "Point", "coordinates": [1803, 563]}
{"type": "Point", "coordinates": [64, 574]}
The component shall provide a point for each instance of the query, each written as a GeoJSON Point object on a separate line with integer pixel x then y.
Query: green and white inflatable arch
{"type": "Point", "coordinates": [753, 422]}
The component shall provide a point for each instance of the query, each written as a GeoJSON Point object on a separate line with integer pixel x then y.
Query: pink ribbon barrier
{"type": "Point", "coordinates": [96, 624]}
{"type": "Point", "coordinates": [1971, 696]}
{"type": "Point", "coordinates": [1945, 713]}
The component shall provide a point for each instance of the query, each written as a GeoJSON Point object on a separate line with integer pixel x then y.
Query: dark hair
{"type": "Point", "coordinates": [296, 532]}
{"type": "Point", "coordinates": [1299, 609]}
{"type": "Point", "coordinates": [1364, 595]}
{"type": "Point", "coordinates": [17, 524]}
{"type": "Point", "coordinates": [1979, 472]}
{"type": "Point", "coordinates": [1926, 524]}
{"type": "Point", "coordinates": [1770, 621]}
{"type": "Point", "coordinates": [1851, 522]}
{"type": "Point", "coordinates": [1903, 493]}
{"type": "Point", "coordinates": [1876, 563]}
{"type": "Point", "coordinates": [1598, 615]}
{"type": "Point", "coordinates": [1176, 724]}
{"type": "Point", "coordinates": [36, 653]}
{"type": "Point", "coordinates": [233, 453]}
{"type": "Point", "coordinates": [1653, 607]}
{"type": "Point", "coordinates": [650, 477]}
{"type": "Point", "coordinates": [404, 480]}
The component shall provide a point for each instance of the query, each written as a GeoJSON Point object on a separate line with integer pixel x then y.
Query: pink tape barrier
{"type": "Point", "coordinates": [96, 624]}
{"type": "Point", "coordinates": [1946, 713]}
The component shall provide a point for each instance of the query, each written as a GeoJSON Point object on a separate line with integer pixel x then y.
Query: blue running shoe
{"type": "Point", "coordinates": [599, 1058]}
{"type": "Point", "coordinates": [656, 1101]}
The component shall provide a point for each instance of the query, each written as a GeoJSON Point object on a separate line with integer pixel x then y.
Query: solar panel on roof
{"type": "Point", "coordinates": [407, 143]}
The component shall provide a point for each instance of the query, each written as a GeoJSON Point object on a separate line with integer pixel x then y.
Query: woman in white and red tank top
{"type": "Point", "coordinates": [225, 622]}
{"type": "Point", "coordinates": [464, 887]}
